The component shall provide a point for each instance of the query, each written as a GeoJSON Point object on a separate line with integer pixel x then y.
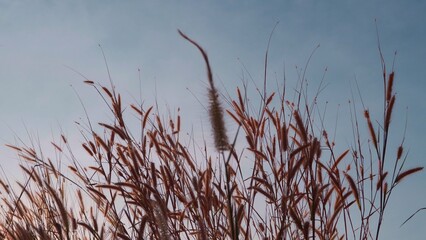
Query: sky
{"type": "Point", "coordinates": [42, 40]}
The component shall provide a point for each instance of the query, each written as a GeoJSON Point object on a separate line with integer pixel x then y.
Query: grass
{"type": "Point", "coordinates": [148, 184]}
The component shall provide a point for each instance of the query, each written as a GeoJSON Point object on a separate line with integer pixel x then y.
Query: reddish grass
{"type": "Point", "coordinates": [147, 184]}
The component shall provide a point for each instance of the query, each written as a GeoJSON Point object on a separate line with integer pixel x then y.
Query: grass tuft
{"type": "Point", "coordinates": [285, 180]}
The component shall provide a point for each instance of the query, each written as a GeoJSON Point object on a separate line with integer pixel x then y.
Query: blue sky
{"type": "Point", "coordinates": [39, 39]}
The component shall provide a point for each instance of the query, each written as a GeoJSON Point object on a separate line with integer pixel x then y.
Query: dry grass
{"type": "Point", "coordinates": [147, 184]}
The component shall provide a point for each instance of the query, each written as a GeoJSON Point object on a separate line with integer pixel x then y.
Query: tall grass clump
{"type": "Point", "coordinates": [281, 177]}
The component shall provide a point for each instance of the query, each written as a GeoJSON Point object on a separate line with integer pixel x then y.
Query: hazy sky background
{"type": "Point", "coordinates": [39, 39]}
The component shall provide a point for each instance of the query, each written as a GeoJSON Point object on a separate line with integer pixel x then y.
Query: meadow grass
{"type": "Point", "coordinates": [148, 184]}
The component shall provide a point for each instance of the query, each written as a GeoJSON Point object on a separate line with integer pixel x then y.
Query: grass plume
{"type": "Point", "coordinates": [215, 108]}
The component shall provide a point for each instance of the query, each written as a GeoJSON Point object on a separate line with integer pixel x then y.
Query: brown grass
{"type": "Point", "coordinates": [148, 184]}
